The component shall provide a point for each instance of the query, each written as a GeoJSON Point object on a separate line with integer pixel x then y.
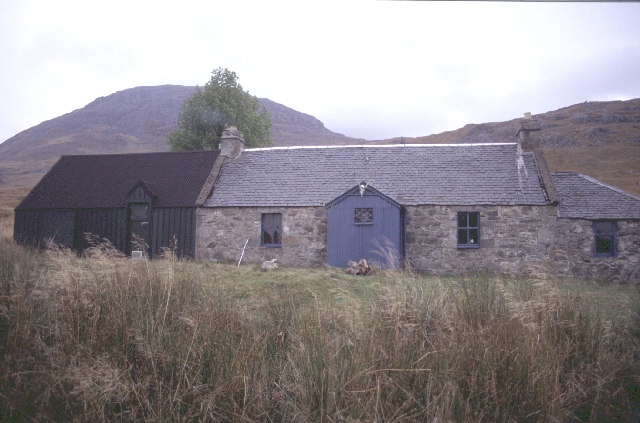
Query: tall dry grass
{"type": "Point", "coordinates": [104, 338]}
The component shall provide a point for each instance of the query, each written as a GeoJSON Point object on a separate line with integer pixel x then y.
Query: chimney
{"type": "Point", "coordinates": [231, 142]}
{"type": "Point", "coordinates": [231, 145]}
{"type": "Point", "coordinates": [529, 142]}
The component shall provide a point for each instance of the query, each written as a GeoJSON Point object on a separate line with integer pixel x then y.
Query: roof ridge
{"type": "Point", "coordinates": [310, 147]}
{"type": "Point", "coordinates": [138, 153]}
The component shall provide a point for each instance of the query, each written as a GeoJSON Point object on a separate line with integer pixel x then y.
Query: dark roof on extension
{"type": "Point", "coordinates": [587, 198]}
{"type": "Point", "coordinates": [461, 174]}
{"type": "Point", "coordinates": [96, 181]}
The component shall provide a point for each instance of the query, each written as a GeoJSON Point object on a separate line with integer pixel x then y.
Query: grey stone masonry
{"type": "Point", "coordinates": [513, 239]}
{"type": "Point", "coordinates": [222, 232]}
{"type": "Point", "coordinates": [516, 240]}
{"type": "Point", "coordinates": [231, 142]}
{"type": "Point", "coordinates": [574, 251]}
{"type": "Point", "coordinates": [519, 240]}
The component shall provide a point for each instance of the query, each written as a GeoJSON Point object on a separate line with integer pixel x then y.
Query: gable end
{"type": "Point", "coordinates": [141, 192]}
{"type": "Point", "coordinates": [368, 191]}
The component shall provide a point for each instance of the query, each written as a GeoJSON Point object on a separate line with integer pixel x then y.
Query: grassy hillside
{"type": "Point", "coordinates": [615, 164]}
{"type": "Point", "coordinates": [105, 338]}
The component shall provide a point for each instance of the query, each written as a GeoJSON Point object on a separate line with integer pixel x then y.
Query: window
{"type": "Point", "coordinates": [363, 216]}
{"type": "Point", "coordinates": [468, 229]}
{"type": "Point", "coordinates": [605, 238]}
{"type": "Point", "coordinates": [271, 230]}
{"type": "Point", "coordinates": [138, 212]}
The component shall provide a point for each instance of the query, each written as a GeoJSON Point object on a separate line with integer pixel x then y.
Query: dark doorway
{"type": "Point", "coordinates": [139, 230]}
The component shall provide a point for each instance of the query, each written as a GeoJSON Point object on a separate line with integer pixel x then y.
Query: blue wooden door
{"type": "Point", "coordinates": [367, 226]}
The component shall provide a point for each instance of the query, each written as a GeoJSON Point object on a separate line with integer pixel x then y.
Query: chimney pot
{"type": "Point", "coordinates": [527, 115]}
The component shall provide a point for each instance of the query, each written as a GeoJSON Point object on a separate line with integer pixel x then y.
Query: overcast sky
{"type": "Point", "coordinates": [371, 70]}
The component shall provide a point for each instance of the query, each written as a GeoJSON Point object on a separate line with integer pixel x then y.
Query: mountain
{"type": "Point", "coordinates": [128, 121]}
{"type": "Point", "coordinates": [290, 127]}
{"type": "Point", "coordinates": [601, 139]}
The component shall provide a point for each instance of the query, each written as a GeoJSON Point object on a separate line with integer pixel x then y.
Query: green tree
{"type": "Point", "coordinates": [220, 104]}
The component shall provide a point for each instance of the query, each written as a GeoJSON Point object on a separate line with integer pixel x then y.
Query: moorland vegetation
{"type": "Point", "coordinates": [105, 338]}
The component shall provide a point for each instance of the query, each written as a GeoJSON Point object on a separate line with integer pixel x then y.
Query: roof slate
{"type": "Point", "coordinates": [103, 181]}
{"type": "Point", "coordinates": [587, 198]}
{"type": "Point", "coordinates": [461, 174]}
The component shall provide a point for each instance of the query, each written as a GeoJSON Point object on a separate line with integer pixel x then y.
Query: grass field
{"type": "Point", "coordinates": [104, 338]}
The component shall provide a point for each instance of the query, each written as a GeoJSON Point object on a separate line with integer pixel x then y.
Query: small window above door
{"type": "Point", "coordinates": [363, 216]}
{"type": "Point", "coordinates": [139, 212]}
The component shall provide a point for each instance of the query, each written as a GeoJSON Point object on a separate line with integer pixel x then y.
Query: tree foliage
{"type": "Point", "coordinates": [220, 104]}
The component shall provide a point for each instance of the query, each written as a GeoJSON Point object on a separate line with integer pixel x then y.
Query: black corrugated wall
{"type": "Point", "coordinates": [172, 228]}
{"type": "Point", "coordinates": [39, 227]}
{"type": "Point", "coordinates": [109, 224]}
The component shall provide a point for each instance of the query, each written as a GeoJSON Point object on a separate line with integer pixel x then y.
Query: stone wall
{"type": "Point", "coordinates": [576, 245]}
{"type": "Point", "coordinates": [518, 240]}
{"type": "Point", "coordinates": [513, 239]}
{"type": "Point", "coordinates": [221, 233]}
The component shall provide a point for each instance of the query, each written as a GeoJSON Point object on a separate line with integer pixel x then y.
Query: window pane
{"type": "Point", "coordinates": [363, 215]}
{"type": "Point", "coordinates": [462, 236]}
{"type": "Point", "coordinates": [604, 245]}
{"type": "Point", "coordinates": [138, 212]}
{"type": "Point", "coordinates": [271, 228]}
{"type": "Point", "coordinates": [473, 236]}
{"type": "Point", "coordinates": [473, 220]}
{"type": "Point", "coordinates": [605, 238]}
{"type": "Point", "coordinates": [462, 219]}
{"type": "Point", "coordinates": [267, 220]}
{"type": "Point", "coordinates": [603, 228]}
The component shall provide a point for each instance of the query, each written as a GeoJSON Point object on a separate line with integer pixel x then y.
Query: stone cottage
{"type": "Point", "coordinates": [444, 209]}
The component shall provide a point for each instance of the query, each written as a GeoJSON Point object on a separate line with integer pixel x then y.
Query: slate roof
{"type": "Point", "coordinates": [104, 181]}
{"type": "Point", "coordinates": [461, 174]}
{"type": "Point", "coordinates": [587, 198]}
